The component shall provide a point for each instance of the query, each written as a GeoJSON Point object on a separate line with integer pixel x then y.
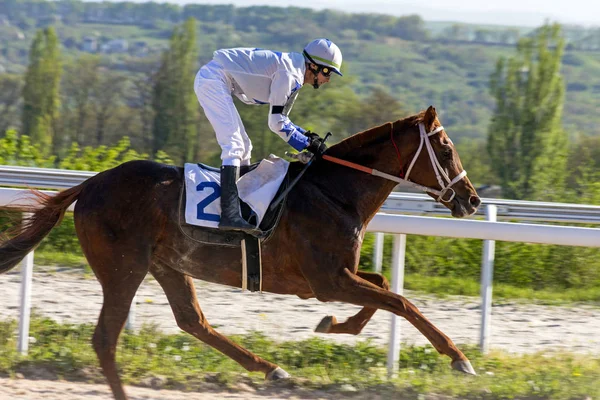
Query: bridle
{"type": "Point", "coordinates": [442, 177]}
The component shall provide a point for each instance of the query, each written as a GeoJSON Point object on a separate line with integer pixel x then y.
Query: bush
{"type": "Point", "coordinates": [18, 150]}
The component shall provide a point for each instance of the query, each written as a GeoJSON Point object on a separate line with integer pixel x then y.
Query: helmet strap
{"type": "Point", "coordinates": [315, 71]}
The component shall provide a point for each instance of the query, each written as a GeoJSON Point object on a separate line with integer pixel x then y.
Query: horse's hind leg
{"type": "Point", "coordinates": [119, 284]}
{"type": "Point", "coordinates": [181, 293]}
{"type": "Point", "coordinates": [120, 265]}
{"type": "Point", "coordinates": [354, 324]}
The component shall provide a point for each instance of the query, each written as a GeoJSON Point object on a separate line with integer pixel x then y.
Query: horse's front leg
{"type": "Point", "coordinates": [354, 324]}
{"type": "Point", "coordinates": [181, 294]}
{"type": "Point", "coordinates": [350, 288]}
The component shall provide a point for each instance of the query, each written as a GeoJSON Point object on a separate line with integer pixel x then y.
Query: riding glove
{"type": "Point", "coordinates": [316, 145]}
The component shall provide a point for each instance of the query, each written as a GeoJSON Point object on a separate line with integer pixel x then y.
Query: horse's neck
{"type": "Point", "coordinates": [358, 190]}
{"type": "Point", "coordinates": [370, 193]}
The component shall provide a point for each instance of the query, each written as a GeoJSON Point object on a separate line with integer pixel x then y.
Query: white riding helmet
{"type": "Point", "coordinates": [325, 53]}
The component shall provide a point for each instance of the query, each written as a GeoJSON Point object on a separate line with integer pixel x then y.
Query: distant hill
{"type": "Point", "coordinates": [420, 63]}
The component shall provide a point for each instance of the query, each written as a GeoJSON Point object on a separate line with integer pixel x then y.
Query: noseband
{"type": "Point", "coordinates": [442, 177]}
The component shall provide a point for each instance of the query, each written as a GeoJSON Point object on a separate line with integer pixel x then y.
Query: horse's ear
{"type": "Point", "coordinates": [429, 118]}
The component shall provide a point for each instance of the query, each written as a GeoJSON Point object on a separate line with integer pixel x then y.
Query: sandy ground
{"type": "Point", "coordinates": [24, 389]}
{"type": "Point", "coordinates": [66, 295]}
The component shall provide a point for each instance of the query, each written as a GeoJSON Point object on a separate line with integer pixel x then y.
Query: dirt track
{"type": "Point", "coordinates": [65, 295]}
{"type": "Point", "coordinates": [23, 389]}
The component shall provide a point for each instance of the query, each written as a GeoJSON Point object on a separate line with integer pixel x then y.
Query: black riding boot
{"type": "Point", "coordinates": [231, 218]}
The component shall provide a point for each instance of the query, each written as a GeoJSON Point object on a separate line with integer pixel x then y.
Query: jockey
{"type": "Point", "coordinates": [257, 76]}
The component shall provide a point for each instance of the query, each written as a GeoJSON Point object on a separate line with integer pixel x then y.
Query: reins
{"type": "Point", "coordinates": [439, 171]}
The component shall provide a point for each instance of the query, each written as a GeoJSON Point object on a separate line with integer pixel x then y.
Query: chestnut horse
{"type": "Point", "coordinates": [126, 219]}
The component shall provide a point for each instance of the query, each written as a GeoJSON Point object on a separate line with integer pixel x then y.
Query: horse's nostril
{"type": "Point", "coordinates": [475, 201]}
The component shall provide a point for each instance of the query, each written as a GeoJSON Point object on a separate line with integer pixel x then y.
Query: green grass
{"type": "Point", "coordinates": [446, 285]}
{"type": "Point", "coordinates": [49, 257]}
{"type": "Point", "coordinates": [185, 363]}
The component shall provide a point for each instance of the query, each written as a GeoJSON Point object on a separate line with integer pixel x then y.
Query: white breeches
{"type": "Point", "coordinates": [214, 88]}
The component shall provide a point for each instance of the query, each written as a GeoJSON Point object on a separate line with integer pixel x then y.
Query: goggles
{"type": "Point", "coordinates": [325, 70]}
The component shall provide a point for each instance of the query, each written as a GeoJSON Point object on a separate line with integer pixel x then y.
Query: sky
{"type": "Point", "coordinates": [498, 12]}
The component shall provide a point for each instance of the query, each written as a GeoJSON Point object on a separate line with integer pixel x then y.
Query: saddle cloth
{"type": "Point", "coordinates": [256, 188]}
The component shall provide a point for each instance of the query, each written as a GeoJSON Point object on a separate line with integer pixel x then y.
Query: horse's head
{"type": "Point", "coordinates": [433, 162]}
{"type": "Point", "coordinates": [414, 150]}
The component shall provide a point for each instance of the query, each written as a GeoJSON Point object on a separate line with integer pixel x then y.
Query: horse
{"type": "Point", "coordinates": [126, 219]}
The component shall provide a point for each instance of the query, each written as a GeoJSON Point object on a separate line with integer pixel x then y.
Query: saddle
{"type": "Point", "coordinates": [213, 236]}
{"type": "Point", "coordinates": [249, 245]}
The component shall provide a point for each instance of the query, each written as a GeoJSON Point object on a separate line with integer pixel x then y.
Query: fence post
{"type": "Point", "coordinates": [378, 251]}
{"type": "Point", "coordinates": [487, 274]}
{"type": "Point", "coordinates": [397, 286]}
{"type": "Point", "coordinates": [25, 310]}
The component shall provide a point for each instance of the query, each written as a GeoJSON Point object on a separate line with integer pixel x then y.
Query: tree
{"type": "Point", "coordinates": [456, 32]}
{"type": "Point", "coordinates": [410, 27]}
{"type": "Point", "coordinates": [106, 100]}
{"type": "Point", "coordinates": [174, 102]}
{"type": "Point", "coordinates": [41, 90]}
{"type": "Point", "coordinates": [376, 109]}
{"type": "Point", "coordinates": [583, 182]}
{"type": "Point", "coordinates": [483, 35]}
{"type": "Point", "coordinates": [140, 98]}
{"type": "Point", "coordinates": [80, 84]}
{"type": "Point", "coordinates": [526, 142]}
{"type": "Point", "coordinates": [10, 89]}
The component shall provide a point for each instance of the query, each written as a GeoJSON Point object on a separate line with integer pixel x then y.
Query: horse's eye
{"type": "Point", "coordinates": [447, 153]}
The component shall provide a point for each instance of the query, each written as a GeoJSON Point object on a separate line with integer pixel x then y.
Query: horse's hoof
{"type": "Point", "coordinates": [277, 374]}
{"type": "Point", "coordinates": [325, 324]}
{"type": "Point", "coordinates": [463, 366]}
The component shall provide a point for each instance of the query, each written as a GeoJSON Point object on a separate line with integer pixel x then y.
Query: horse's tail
{"type": "Point", "coordinates": [45, 215]}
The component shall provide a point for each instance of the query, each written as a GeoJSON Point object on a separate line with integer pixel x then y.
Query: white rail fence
{"type": "Point", "coordinates": [384, 222]}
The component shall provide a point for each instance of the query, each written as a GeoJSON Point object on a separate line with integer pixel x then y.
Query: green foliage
{"type": "Point", "coordinates": [18, 150]}
{"type": "Point", "coordinates": [65, 350]}
{"type": "Point", "coordinates": [40, 93]}
{"type": "Point", "coordinates": [10, 100]}
{"type": "Point", "coordinates": [45, 255]}
{"type": "Point", "coordinates": [62, 239]}
{"type": "Point", "coordinates": [100, 158]}
{"type": "Point", "coordinates": [526, 141]}
{"type": "Point", "coordinates": [452, 266]}
{"type": "Point", "coordinates": [386, 59]}
{"type": "Point", "coordinates": [414, 60]}
{"type": "Point", "coordinates": [476, 161]}
{"type": "Point", "coordinates": [448, 286]}
{"type": "Point", "coordinates": [80, 83]}
{"type": "Point", "coordinates": [174, 102]}
{"type": "Point", "coordinates": [62, 245]}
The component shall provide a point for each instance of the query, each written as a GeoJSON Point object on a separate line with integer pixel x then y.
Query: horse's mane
{"type": "Point", "coordinates": [372, 135]}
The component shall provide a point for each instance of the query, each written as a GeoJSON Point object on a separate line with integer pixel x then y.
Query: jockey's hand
{"type": "Point", "coordinates": [304, 157]}
{"type": "Point", "coordinates": [316, 146]}
{"type": "Point", "coordinates": [311, 135]}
